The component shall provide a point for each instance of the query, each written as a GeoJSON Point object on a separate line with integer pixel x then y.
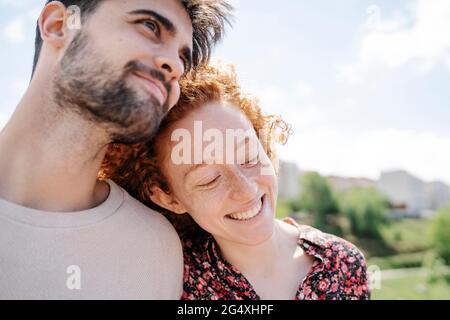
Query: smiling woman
{"type": "Point", "coordinates": [234, 248]}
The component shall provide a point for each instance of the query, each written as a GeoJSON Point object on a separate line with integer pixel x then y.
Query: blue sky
{"type": "Point", "coordinates": [365, 84]}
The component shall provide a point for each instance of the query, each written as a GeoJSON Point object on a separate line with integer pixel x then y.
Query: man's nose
{"type": "Point", "coordinates": [169, 63]}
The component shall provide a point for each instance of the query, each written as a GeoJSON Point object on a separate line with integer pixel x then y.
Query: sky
{"type": "Point", "coordinates": [364, 84]}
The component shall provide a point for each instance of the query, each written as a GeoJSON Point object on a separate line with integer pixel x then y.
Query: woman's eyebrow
{"type": "Point", "coordinates": [193, 168]}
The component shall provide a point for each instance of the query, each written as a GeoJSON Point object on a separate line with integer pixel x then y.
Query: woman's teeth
{"type": "Point", "coordinates": [247, 215]}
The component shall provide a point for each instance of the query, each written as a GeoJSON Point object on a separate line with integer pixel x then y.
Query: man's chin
{"type": "Point", "coordinates": [136, 133]}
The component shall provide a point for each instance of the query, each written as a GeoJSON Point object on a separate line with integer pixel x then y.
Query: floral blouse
{"type": "Point", "coordinates": [338, 271]}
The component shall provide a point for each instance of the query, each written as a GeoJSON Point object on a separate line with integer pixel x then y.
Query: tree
{"type": "Point", "coordinates": [317, 198]}
{"type": "Point", "coordinates": [365, 209]}
{"type": "Point", "coordinates": [440, 233]}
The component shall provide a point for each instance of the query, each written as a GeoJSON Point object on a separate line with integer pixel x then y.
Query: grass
{"type": "Point", "coordinates": [406, 238]}
{"type": "Point", "coordinates": [411, 286]}
{"type": "Point", "coordinates": [404, 260]}
{"type": "Point", "coordinates": [407, 235]}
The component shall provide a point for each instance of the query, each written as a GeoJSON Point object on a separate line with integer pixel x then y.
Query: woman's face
{"type": "Point", "coordinates": [230, 195]}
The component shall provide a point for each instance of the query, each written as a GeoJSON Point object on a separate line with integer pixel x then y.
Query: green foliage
{"type": "Point", "coordinates": [407, 235]}
{"type": "Point", "coordinates": [440, 233]}
{"type": "Point", "coordinates": [317, 198]}
{"type": "Point", "coordinates": [284, 209]}
{"type": "Point", "coordinates": [366, 210]}
{"type": "Point", "coordinates": [399, 261]}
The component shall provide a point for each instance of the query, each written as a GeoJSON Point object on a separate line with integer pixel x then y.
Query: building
{"type": "Point", "coordinates": [438, 195]}
{"type": "Point", "coordinates": [411, 196]}
{"type": "Point", "coordinates": [344, 184]}
{"type": "Point", "coordinates": [288, 180]}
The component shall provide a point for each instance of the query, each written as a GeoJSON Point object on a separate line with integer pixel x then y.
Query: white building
{"type": "Point", "coordinates": [415, 197]}
{"type": "Point", "coordinates": [438, 195]}
{"type": "Point", "coordinates": [288, 180]}
{"type": "Point", "coordinates": [344, 184]}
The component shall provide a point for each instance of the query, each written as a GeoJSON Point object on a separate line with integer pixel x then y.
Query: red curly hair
{"type": "Point", "coordinates": [136, 168]}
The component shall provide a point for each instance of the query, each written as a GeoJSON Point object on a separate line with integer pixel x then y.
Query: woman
{"type": "Point", "coordinates": [224, 211]}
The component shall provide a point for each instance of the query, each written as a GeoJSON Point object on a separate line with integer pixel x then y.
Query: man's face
{"type": "Point", "coordinates": [122, 69]}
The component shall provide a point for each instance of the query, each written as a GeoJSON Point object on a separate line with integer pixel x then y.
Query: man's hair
{"type": "Point", "coordinates": [208, 19]}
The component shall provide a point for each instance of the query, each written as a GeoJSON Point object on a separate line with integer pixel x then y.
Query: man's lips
{"type": "Point", "coordinates": [155, 86]}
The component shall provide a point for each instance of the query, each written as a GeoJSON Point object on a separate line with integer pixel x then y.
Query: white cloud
{"type": "Point", "coordinates": [448, 62]}
{"type": "Point", "coordinates": [14, 31]}
{"type": "Point", "coordinates": [293, 103]}
{"type": "Point", "coordinates": [303, 89]}
{"type": "Point", "coordinates": [19, 86]}
{"type": "Point", "coordinates": [3, 120]}
{"type": "Point", "coordinates": [18, 29]}
{"type": "Point", "coordinates": [329, 151]}
{"type": "Point", "coordinates": [16, 89]}
{"type": "Point", "coordinates": [317, 145]}
{"type": "Point", "coordinates": [393, 42]}
{"type": "Point", "coordinates": [19, 3]}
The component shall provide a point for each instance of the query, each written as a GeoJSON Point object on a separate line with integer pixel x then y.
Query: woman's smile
{"type": "Point", "coordinates": [251, 215]}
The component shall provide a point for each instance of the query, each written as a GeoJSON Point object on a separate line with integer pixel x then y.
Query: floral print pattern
{"type": "Point", "coordinates": [338, 271]}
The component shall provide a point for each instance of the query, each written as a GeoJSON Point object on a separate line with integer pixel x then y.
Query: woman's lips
{"type": "Point", "coordinates": [262, 208]}
{"type": "Point", "coordinates": [154, 87]}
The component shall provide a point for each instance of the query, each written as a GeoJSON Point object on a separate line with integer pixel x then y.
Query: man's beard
{"type": "Point", "coordinates": [88, 86]}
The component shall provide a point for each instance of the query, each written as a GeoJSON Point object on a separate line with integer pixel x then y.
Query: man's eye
{"type": "Point", "coordinates": [150, 25]}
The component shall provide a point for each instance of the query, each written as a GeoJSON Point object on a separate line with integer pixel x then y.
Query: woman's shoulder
{"type": "Point", "coordinates": [341, 260]}
{"type": "Point", "coordinates": [328, 245]}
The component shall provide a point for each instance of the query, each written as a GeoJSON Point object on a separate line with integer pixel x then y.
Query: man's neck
{"type": "Point", "coordinates": [50, 157]}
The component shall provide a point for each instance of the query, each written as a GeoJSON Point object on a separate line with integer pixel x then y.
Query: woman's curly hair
{"type": "Point", "coordinates": [137, 168]}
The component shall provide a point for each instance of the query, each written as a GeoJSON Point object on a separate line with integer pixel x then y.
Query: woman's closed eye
{"type": "Point", "coordinates": [210, 183]}
{"type": "Point", "coordinates": [250, 163]}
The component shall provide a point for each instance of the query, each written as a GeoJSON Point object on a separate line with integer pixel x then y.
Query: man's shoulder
{"type": "Point", "coordinates": [146, 217]}
{"type": "Point", "coordinates": [151, 239]}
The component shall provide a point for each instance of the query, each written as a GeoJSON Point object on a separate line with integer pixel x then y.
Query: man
{"type": "Point", "coordinates": [63, 233]}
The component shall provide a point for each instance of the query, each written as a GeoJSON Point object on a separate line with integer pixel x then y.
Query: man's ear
{"type": "Point", "coordinates": [166, 201]}
{"type": "Point", "coordinates": [52, 24]}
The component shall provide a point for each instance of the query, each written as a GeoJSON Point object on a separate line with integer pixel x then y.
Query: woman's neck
{"type": "Point", "coordinates": [265, 258]}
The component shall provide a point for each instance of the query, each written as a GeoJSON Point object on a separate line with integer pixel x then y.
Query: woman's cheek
{"type": "Point", "coordinates": [209, 202]}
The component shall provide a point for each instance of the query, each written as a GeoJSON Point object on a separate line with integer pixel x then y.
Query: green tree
{"type": "Point", "coordinates": [317, 198]}
{"type": "Point", "coordinates": [440, 233]}
{"type": "Point", "coordinates": [284, 209]}
{"type": "Point", "coordinates": [366, 210]}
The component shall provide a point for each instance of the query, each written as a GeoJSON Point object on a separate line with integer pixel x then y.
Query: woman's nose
{"type": "Point", "coordinates": [244, 188]}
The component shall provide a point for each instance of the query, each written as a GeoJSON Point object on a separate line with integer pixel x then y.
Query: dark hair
{"type": "Point", "coordinates": [208, 19]}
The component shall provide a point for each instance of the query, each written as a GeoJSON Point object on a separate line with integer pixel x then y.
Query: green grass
{"type": "Point", "coordinates": [412, 286]}
{"type": "Point", "coordinates": [405, 260]}
{"type": "Point", "coordinates": [407, 235]}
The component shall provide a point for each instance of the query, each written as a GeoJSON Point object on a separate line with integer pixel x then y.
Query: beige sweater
{"type": "Point", "coordinates": [118, 250]}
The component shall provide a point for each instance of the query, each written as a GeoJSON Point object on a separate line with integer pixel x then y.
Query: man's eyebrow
{"type": "Point", "coordinates": [166, 23]}
{"type": "Point", "coordinates": [170, 27]}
